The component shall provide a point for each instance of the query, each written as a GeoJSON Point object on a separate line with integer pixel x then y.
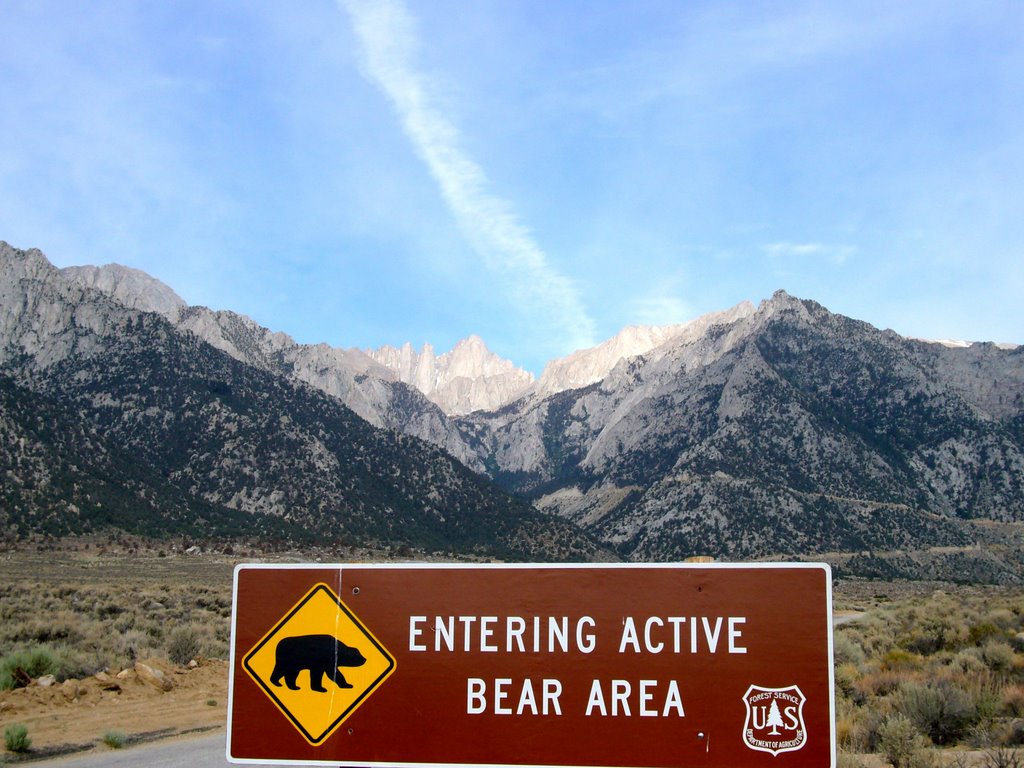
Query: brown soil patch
{"type": "Point", "coordinates": [75, 715]}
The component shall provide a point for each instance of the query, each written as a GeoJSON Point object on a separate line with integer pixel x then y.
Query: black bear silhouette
{"type": "Point", "coordinates": [320, 654]}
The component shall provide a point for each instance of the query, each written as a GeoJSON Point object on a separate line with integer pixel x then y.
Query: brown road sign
{"type": "Point", "coordinates": [533, 665]}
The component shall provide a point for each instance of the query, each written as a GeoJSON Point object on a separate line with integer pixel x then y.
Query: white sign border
{"type": "Point", "coordinates": [340, 567]}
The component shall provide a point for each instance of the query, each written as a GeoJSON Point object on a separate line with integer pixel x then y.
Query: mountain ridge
{"type": "Point", "coordinates": [469, 359]}
{"type": "Point", "coordinates": [780, 429]}
{"type": "Point", "coordinates": [199, 437]}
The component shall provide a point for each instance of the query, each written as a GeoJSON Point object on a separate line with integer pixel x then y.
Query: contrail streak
{"type": "Point", "coordinates": [386, 33]}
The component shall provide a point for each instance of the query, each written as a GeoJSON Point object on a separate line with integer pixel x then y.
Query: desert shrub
{"type": "Point", "coordinates": [848, 760]}
{"type": "Point", "coordinates": [114, 739]}
{"type": "Point", "coordinates": [134, 644]}
{"type": "Point", "coordinates": [154, 628]}
{"type": "Point", "coordinates": [998, 655]}
{"type": "Point", "coordinates": [934, 632]}
{"type": "Point", "coordinates": [56, 627]}
{"type": "Point", "coordinates": [901, 660]}
{"type": "Point", "coordinates": [1003, 618]}
{"type": "Point", "coordinates": [16, 738]}
{"type": "Point", "coordinates": [987, 695]}
{"type": "Point", "coordinates": [958, 760]}
{"type": "Point", "coordinates": [182, 645]}
{"type": "Point", "coordinates": [1013, 700]}
{"type": "Point", "coordinates": [925, 757]}
{"type": "Point", "coordinates": [216, 649]}
{"type": "Point", "coordinates": [35, 662]}
{"type": "Point", "coordinates": [846, 650]}
{"type": "Point", "coordinates": [984, 631]}
{"type": "Point", "coordinates": [846, 677]}
{"type": "Point", "coordinates": [210, 641]}
{"type": "Point", "coordinates": [1013, 736]}
{"type": "Point", "coordinates": [108, 609]}
{"type": "Point", "coordinates": [901, 742]}
{"type": "Point", "coordinates": [874, 634]}
{"type": "Point", "coordinates": [869, 721]}
{"type": "Point", "coordinates": [969, 661]}
{"type": "Point", "coordinates": [848, 735]}
{"type": "Point", "coordinates": [875, 684]}
{"type": "Point", "coordinates": [940, 709]}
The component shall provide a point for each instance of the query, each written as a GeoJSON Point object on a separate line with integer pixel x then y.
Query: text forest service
{"type": "Point", "coordinates": [532, 665]}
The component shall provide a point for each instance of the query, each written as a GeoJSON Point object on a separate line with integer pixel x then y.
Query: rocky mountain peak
{"type": "Point", "coordinates": [780, 302]}
{"type": "Point", "coordinates": [471, 357]}
{"type": "Point", "coordinates": [131, 287]}
{"type": "Point", "coordinates": [17, 263]}
{"type": "Point", "coordinates": [589, 366]}
{"type": "Point", "coordinates": [467, 378]}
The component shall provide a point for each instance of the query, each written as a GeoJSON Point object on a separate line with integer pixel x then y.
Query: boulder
{"type": "Point", "coordinates": [107, 682]}
{"type": "Point", "coordinates": [70, 689]}
{"type": "Point", "coordinates": [153, 676]}
{"type": "Point", "coordinates": [46, 681]}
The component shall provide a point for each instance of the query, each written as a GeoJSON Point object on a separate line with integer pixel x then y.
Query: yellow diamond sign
{"type": "Point", "coordinates": [318, 664]}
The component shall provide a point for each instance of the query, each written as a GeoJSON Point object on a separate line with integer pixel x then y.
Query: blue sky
{"type": "Point", "coordinates": [368, 172]}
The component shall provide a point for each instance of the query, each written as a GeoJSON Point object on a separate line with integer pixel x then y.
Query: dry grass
{"type": "Point", "coordinates": [79, 606]}
{"type": "Point", "coordinates": [86, 612]}
{"type": "Point", "coordinates": [933, 668]}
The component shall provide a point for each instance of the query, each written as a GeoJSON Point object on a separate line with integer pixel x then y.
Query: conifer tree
{"type": "Point", "coordinates": [774, 718]}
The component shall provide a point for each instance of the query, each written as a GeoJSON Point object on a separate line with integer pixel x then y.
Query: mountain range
{"type": "Point", "coordinates": [114, 417]}
{"type": "Point", "coordinates": [777, 429]}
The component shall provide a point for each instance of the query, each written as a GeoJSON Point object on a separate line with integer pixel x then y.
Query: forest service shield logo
{"type": "Point", "coordinates": [775, 719]}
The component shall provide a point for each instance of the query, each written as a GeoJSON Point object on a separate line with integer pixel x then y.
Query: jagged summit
{"type": "Point", "coordinates": [468, 378]}
{"type": "Point", "coordinates": [472, 378]}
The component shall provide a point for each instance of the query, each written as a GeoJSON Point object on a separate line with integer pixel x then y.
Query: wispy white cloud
{"type": "Point", "coordinates": [387, 35]}
{"type": "Point", "coordinates": [836, 254]}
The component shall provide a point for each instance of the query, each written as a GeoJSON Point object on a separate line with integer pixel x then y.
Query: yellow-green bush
{"type": "Point", "coordinates": [947, 668]}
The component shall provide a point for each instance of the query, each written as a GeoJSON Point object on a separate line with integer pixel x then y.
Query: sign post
{"type": "Point", "coordinates": [533, 665]}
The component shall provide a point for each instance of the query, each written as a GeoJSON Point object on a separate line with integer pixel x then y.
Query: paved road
{"type": "Point", "coordinates": [198, 752]}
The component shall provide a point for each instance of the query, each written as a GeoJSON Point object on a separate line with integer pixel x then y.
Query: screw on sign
{"type": "Point", "coordinates": [532, 665]}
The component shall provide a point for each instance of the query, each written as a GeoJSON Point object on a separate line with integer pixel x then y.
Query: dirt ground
{"type": "Point", "coordinates": [75, 715]}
